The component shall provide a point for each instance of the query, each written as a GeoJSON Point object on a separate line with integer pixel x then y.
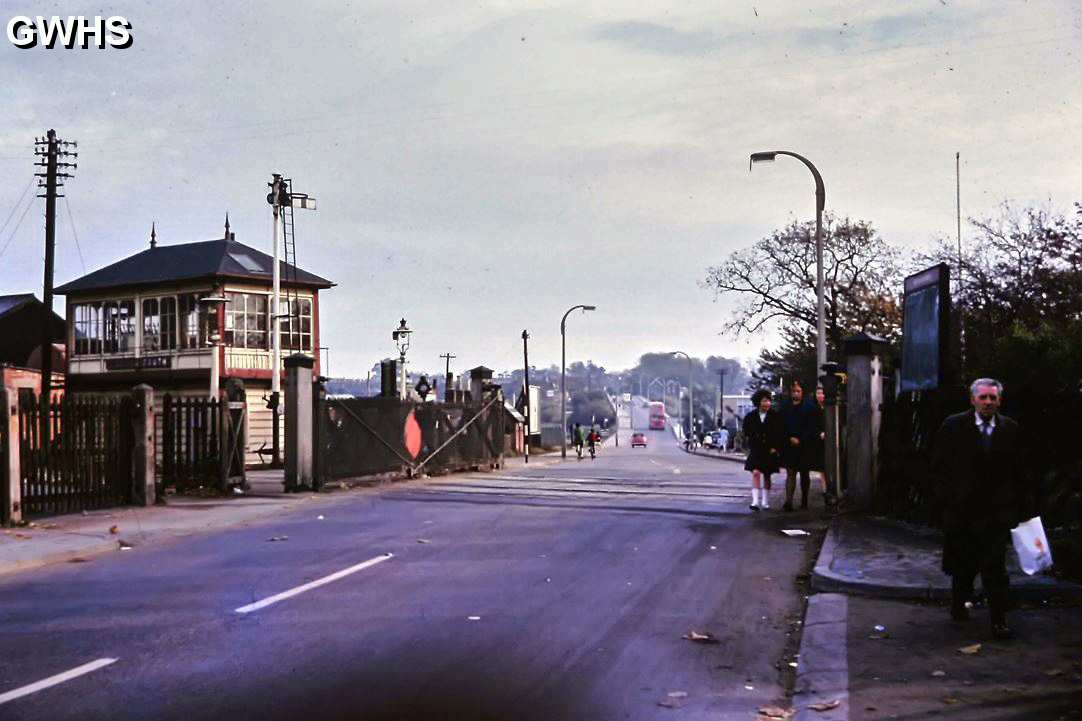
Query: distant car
{"type": "Point", "coordinates": [708, 441]}
{"type": "Point", "coordinates": [638, 439]}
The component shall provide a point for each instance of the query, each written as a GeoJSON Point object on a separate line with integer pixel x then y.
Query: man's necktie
{"type": "Point", "coordinates": [986, 435]}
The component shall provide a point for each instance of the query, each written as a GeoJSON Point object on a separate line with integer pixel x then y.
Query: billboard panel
{"type": "Point", "coordinates": [926, 329]}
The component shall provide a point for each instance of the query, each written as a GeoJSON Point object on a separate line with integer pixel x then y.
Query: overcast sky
{"type": "Point", "coordinates": [480, 167]}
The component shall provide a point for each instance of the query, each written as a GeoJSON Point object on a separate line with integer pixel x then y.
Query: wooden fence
{"type": "Point", "coordinates": [78, 457]}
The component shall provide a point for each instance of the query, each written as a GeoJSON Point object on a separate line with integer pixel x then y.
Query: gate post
{"type": "Point", "coordinates": [144, 490]}
{"type": "Point", "coordinates": [11, 508]}
{"type": "Point", "coordinates": [298, 470]}
{"type": "Point", "coordinates": [864, 399]}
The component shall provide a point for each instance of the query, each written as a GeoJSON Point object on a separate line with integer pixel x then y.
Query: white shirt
{"type": "Point", "coordinates": [980, 422]}
{"type": "Point", "coordinates": [762, 417]}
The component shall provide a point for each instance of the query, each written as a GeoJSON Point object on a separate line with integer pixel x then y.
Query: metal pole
{"type": "Point", "coordinates": [563, 388]}
{"type": "Point", "coordinates": [958, 201]}
{"type": "Point", "coordinates": [276, 329]}
{"type": "Point", "coordinates": [563, 374]}
{"type": "Point", "coordinates": [402, 376]}
{"type": "Point", "coordinates": [820, 203]}
{"type": "Point", "coordinates": [526, 385]}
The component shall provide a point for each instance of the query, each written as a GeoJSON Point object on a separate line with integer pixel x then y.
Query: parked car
{"type": "Point", "coordinates": [708, 441]}
{"type": "Point", "coordinates": [638, 439]}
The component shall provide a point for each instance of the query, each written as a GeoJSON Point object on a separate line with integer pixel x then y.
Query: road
{"type": "Point", "coordinates": [560, 590]}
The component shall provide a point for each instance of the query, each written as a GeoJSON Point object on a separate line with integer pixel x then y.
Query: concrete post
{"type": "Point", "coordinates": [144, 490]}
{"type": "Point", "coordinates": [864, 399]}
{"type": "Point", "coordinates": [11, 489]}
{"type": "Point", "coordinates": [299, 446]}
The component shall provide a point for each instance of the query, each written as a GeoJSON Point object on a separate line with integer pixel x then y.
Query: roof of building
{"type": "Point", "coordinates": [159, 264]}
{"type": "Point", "coordinates": [9, 303]}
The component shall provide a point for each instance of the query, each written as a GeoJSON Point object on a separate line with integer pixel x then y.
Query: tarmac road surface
{"type": "Point", "coordinates": [559, 590]}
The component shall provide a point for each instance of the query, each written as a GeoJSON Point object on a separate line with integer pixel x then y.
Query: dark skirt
{"type": "Point", "coordinates": [764, 461]}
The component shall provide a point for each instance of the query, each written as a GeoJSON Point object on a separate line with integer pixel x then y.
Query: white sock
{"type": "Point", "coordinates": [765, 502]}
{"type": "Point", "coordinates": [755, 496]}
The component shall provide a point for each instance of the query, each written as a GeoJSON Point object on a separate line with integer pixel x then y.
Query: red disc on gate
{"type": "Point", "coordinates": [411, 435]}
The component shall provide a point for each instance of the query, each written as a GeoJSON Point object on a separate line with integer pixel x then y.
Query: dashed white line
{"type": "Point", "coordinates": [313, 584]}
{"type": "Point", "coordinates": [55, 680]}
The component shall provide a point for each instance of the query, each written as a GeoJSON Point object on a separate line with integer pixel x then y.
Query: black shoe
{"type": "Point", "coordinates": [1002, 632]}
{"type": "Point", "coordinates": [754, 507]}
{"type": "Point", "coordinates": [803, 503]}
{"type": "Point", "coordinates": [787, 506]}
{"type": "Point", "coordinates": [959, 613]}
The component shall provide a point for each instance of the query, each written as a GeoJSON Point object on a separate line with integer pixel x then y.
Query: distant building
{"type": "Point", "coordinates": [152, 318]}
{"type": "Point", "coordinates": [22, 318]}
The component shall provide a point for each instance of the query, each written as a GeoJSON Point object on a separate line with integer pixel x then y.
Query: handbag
{"type": "Point", "coordinates": [1031, 545]}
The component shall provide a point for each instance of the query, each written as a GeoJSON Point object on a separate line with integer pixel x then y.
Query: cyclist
{"type": "Point", "coordinates": [593, 438]}
{"type": "Point", "coordinates": [579, 437]}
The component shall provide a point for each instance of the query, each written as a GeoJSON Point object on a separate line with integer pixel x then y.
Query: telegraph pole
{"type": "Point", "coordinates": [50, 150]}
{"type": "Point", "coordinates": [526, 384]}
{"type": "Point", "coordinates": [447, 374]}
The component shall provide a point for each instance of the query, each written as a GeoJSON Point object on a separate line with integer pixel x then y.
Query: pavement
{"type": "Point", "coordinates": [878, 643]}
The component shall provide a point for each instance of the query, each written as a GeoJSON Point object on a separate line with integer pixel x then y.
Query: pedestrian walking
{"type": "Point", "coordinates": [976, 468]}
{"type": "Point", "coordinates": [814, 448]}
{"type": "Point", "coordinates": [796, 414]}
{"type": "Point", "coordinates": [765, 434]}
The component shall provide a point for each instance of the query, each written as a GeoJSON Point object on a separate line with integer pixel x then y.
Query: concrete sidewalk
{"type": "Point", "coordinates": [875, 556]}
{"type": "Point", "coordinates": [897, 654]}
{"type": "Point", "coordinates": [58, 539]}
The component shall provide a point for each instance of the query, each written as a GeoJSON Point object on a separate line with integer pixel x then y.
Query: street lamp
{"type": "Point", "coordinates": [401, 337]}
{"type": "Point", "coordinates": [820, 203]}
{"type": "Point", "coordinates": [691, 393]}
{"type": "Point", "coordinates": [214, 339]}
{"type": "Point", "coordinates": [563, 373]}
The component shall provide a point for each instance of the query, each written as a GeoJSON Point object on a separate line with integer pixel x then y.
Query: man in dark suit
{"type": "Point", "coordinates": [976, 464]}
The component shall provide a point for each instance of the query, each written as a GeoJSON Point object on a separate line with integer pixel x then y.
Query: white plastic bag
{"type": "Point", "coordinates": [1031, 545]}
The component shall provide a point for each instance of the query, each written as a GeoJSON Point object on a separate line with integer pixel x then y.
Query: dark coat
{"type": "Point", "coordinates": [813, 452]}
{"type": "Point", "coordinates": [796, 420]}
{"type": "Point", "coordinates": [980, 491]}
{"type": "Point", "coordinates": [764, 441]}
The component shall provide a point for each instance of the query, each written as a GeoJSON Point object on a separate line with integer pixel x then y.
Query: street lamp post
{"type": "Point", "coordinates": [214, 340]}
{"type": "Point", "coordinates": [820, 203]}
{"type": "Point", "coordinates": [691, 393]}
{"type": "Point", "coordinates": [401, 337]}
{"type": "Point", "coordinates": [833, 440]}
{"type": "Point", "coordinates": [563, 373]}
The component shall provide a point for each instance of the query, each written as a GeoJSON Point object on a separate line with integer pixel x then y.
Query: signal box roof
{"type": "Point", "coordinates": [209, 259]}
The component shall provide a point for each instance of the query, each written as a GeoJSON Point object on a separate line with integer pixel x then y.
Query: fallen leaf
{"type": "Point", "coordinates": [825, 705]}
{"type": "Point", "coordinates": [697, 637]}
{"type": "Point", "coordinates": [775, 712]}
{"type": "Point", "coordinates": [877, 636]}
{"type": "Point", "coordinates": [970, 650]}
{"type": "Point", "coordinates": [950, 700]}
{"type": "Point", "coordinates": [1054, 672]}
{"type": "Point", "coordinates": [278, 538]}
{"type": "Point", "coordinates": [114, 529]}
{"type": "Point", "coordinates": [423, 540]}
{"type": "Point", "coordinates": [939, 673]}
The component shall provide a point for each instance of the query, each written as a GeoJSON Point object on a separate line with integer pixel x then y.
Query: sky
{"type": "Point", "coordinates": [481, 167]}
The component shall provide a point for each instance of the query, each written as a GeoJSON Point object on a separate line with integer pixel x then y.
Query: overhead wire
{"type": "Point", "coordinates": [15, 230]}
{"type": "Point", "coordinates": [71, 222]}
{"type": "Point", "coordinates": [17, 204]}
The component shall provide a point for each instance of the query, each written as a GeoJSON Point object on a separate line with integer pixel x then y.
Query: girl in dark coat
{"type": "Point", "coordinates": [765, 434]}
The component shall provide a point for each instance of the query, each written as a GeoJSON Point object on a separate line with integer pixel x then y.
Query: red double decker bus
{"type": "Point", "coordinates": [657, 416]}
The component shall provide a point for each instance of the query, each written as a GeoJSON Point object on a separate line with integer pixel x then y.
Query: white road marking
{"type": "Point", "coordinates": [56, 680]}
{"type": "Point", "coordinates": [313, 584]}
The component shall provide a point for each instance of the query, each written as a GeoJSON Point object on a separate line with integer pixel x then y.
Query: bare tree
{"type": "Point", "coordinates": [775, 281]}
